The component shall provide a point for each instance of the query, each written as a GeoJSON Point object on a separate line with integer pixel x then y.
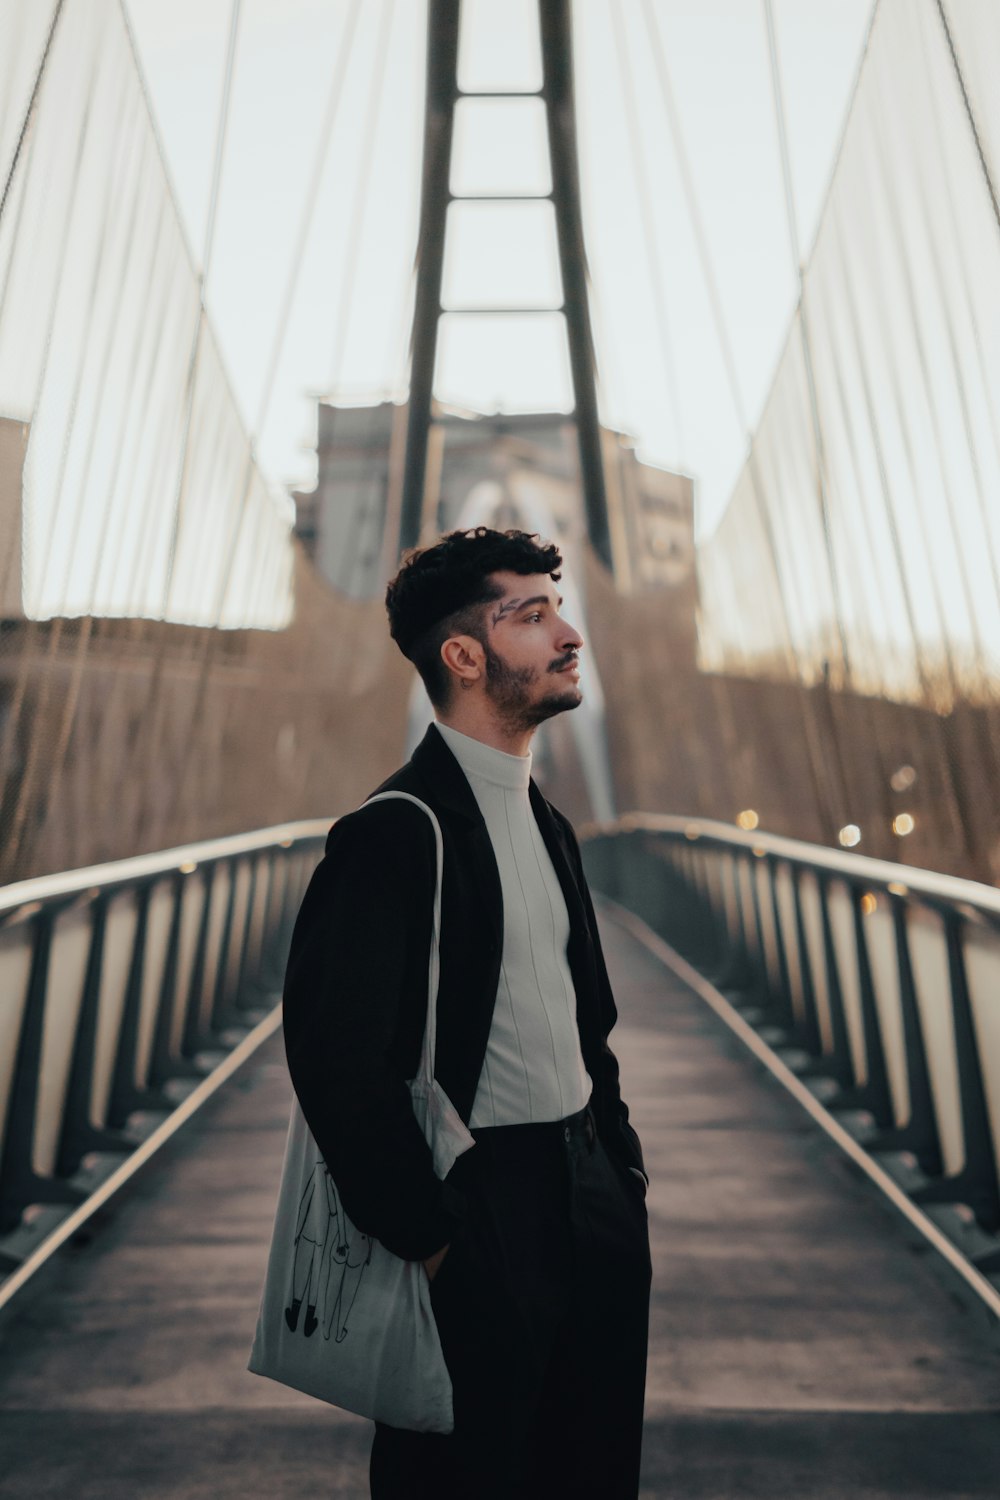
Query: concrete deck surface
{"type": "Point", "coordinates": [801, 1347]}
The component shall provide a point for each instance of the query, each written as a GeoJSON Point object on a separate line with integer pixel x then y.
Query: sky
{"type": "Point", "coordinates": [345, 334]}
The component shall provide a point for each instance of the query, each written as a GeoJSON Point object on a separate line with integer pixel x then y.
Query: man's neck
{"type": "Point", "coordinates": [482, 727]}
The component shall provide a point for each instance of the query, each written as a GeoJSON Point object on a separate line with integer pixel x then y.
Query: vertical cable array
{"type": "Point", "coordinates": [894, 376]}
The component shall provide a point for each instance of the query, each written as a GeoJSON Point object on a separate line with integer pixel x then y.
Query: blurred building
{"type": "Point", "coordinates": [509, 460]}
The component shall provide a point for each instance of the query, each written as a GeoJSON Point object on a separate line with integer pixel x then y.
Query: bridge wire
{"type": "Point", "coordinates": [651, 240]}
{"type": "Point", "coordinates": [694, 214]}
{"type": "Point", "coordinates": [923, 365]}
{"type": "Point", "coordinates": [959, 257]}
{"type": "Point", "coordinates": [153, 327]}
{"type": "Point", "coordinates": [895, 386]}
{"type": "Point", "coordinates": [150, 729]}
{"type": "Point", "coordinates": [33, 628]}
{"type": "Point", "coordinates": [169, 427]}
{"type": "Point", "coordinates": [399, 343]}
{"type": "Point", "coordinates": [821, 476]}
{"type": "Point", "coordinates": [333, 103]}
{"type": "Point", "coordinates": [991, 190]}
{"type": "Point", "coordinates": [854, 324]}
{"type": "Point", "coordinates": [398, 361]}
{"type": "Point", "coordinates": [201, 318]}
{"type": "Point", "coordinates": [820, 472]}
{"type": "Point", "coordinates": [29, 655]}
{"type": "Point", "coordinates": [356, 223]}
{"type": "Point", "coordinates": [332, 109]}
{"type": "Point", "coordinates": [29, 113]}
{"type": "Point", "coordinates": [131, 183]}
{"type": "Point", "coordinates": [890, 197]}
{"type": "Point", "coordinates": [877, 639]}
{"type": "Point", "coordinates": [362, 196]}
{"type": "Point", "coordinates": [822, 301]}
{"type": "Point", "coordinates": [356, 215]}
{"type": "Point", "coordinates": [139, 340]}
{"type": "Point", "coordinates": [129, 180]}
{"type": "Point", "coordinates": [810, 727]}
{"type": "Point", "coordinates": [13, 45]}
{"type": "Point", "coordinates": [146, 331]}
{"type": "Point", "coordinates": [212, 641]}
{"type": "Point", "coordinates": [221, 136]}
{"type": "Point", "coordinates": [63, 254]}
{"type": "Point", "coordinates": [970, 113]}
{"type": "Point", "coordinates": [608, 369]}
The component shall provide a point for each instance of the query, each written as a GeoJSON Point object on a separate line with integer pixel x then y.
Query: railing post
{"type": "Point", "coordinates": [920, 1134]}
{"type": "Point", "coordinates": [807, 1032]}
{"type": "Point", "coordinates": [19, 1183]}
{"type": "Point", "coordinates": [839, 1061]}
{"type": "Point", "coordinates": [874, 1095]}
{"type": "Point", "coordinates": [976, 1183]}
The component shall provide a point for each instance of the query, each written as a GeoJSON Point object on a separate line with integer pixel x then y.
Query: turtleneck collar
{"type": "Point", "coordinates": [484, 762]}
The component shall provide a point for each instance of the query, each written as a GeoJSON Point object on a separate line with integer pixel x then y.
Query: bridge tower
{"type": "Point", "coordinates": [442, 95]}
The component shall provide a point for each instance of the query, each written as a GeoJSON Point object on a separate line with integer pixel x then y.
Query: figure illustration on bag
{"type": "Point", "coordinates": [330, 1259]}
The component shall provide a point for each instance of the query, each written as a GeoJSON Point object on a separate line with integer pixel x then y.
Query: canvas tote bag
{"type": "Point", "coordinates": [341, 1317]}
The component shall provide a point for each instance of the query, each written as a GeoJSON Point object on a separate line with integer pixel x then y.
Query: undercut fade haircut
{"type": "Point", "coordinates": [441, 591]}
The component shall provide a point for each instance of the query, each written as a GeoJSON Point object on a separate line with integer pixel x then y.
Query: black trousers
{"type": "Point", "coordinates": [542, 1304]}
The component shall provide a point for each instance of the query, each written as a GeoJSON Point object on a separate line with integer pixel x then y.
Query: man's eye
{"type": "Point", "coordinates": [536, 614]}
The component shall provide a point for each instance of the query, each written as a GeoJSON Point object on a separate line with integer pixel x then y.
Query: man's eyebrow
{"type": "Point", "coordinates": [512, 606]}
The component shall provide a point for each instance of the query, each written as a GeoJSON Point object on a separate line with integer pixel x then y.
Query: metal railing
{"type": "Point", "coordinates": [879, 979]}
{"type": "Point", "coordinates": [120, 985]}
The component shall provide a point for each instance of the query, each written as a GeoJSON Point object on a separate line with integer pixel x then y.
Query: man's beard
{"type": "Point", "coordinates": [508, 689]}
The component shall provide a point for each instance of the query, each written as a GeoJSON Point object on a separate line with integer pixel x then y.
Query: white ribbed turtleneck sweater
{"type": "Point", "coordinates": [533, 1069]}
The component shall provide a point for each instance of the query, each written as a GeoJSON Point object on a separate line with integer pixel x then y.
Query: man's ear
{"type": "Point", "coordinates": [464, 657]}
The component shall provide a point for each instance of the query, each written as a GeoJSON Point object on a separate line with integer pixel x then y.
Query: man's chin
{"type": "Point", "coordinates": [556, 703]}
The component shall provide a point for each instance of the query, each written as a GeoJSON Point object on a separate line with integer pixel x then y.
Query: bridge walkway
{"type": "Point", "coordinates": [800, 1346]}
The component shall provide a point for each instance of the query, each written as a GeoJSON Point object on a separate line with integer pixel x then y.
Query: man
{"type": "Point", "coordinates": [536, 1244]}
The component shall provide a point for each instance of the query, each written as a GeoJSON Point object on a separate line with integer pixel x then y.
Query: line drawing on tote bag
{"type": "Point", "coordinates": [330, 1259]}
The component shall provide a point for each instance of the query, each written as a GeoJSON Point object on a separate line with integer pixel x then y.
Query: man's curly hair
{"type": "Point", "coordinates": [440, 591]}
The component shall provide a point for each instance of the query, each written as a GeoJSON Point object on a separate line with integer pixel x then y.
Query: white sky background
{"type": "Point", "coordinates": [716, 51]}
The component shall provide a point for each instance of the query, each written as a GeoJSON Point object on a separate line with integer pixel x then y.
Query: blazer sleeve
{"type": "Point", "coordinates": [354, 1001]}
{"type": "Point", "coordinates": [622, 1141]}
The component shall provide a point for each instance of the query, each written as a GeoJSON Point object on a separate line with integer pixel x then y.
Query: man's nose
{"type": "Point", "coordinates": [570, 639]}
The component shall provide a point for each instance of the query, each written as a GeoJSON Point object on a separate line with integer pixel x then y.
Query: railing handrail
{"type": "Point", "coordinates": [147, 979]}
{"type": "Point", "coordinates": [26, 895]}
{"type": "Point", "coordinates": [949, 889]}
{"type": "Point", "coordinates": [874, 978]}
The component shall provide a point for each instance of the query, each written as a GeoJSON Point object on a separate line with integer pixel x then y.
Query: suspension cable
{"type": "Point", "coordinates": [308, 209]}
{"type": "Point", "coordinates": [200, 318]}
{"type": "Point", "coordinates": [221, 135]}
{"type": "Point", "coordinates": [29, 113]}
{"type": "Point", "coordinates": [807, 356]}
{"type": "Point", "coordinates": [811, 729]}
{"type": "Point", "coordinates": [650, 236]}
{"type": "Point", "coordinates": [695, 215]}
{"type": "Point", "coordinates": [991, 186]}
{"type": "Point", "coordinates": [778, 96]}
{"type": "Point", "coordinates": [362, 196]}
{"type": "Point", "coordinates": [14, 46]}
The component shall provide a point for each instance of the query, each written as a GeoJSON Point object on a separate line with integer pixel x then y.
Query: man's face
{"type": "Point", "coordinates": [531, 652]}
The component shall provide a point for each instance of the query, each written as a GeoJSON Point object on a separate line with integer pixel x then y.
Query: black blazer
{"type": "Point", "coordinates": [355, 997]}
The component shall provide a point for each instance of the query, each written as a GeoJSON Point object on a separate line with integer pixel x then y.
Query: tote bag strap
{"type": "Point", "coordinates": [434, 965]}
